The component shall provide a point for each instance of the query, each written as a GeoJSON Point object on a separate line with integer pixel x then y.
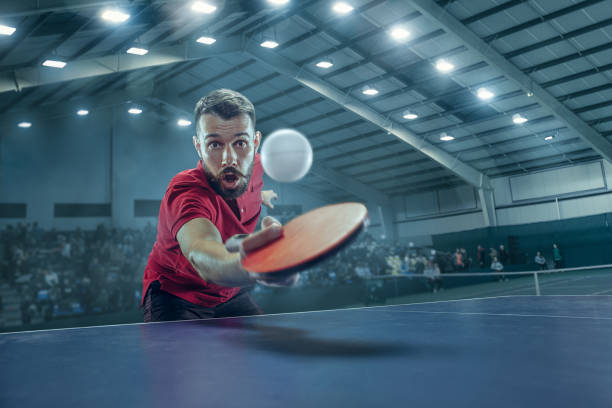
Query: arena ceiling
{"type": "Point", "coordinates": [547, 61]}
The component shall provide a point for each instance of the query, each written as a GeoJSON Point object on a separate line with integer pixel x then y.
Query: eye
{"type": "Point", "coordinates": [214, 145]}
{"type": "Point", "coordinates": [241, 144]}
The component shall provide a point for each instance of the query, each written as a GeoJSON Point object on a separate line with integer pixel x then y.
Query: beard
{"type": "Point", "coordinates": [216, 181]}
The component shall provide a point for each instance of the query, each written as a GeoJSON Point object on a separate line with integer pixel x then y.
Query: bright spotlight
{"type": "Point", "coordinates": [484, 93]}
{"type": "Point", "coordinates": [115, 16]}
{"type": "Point", "coordinates": [269, 44]}
{"type": "Point", "coordinates": [342, 8]}
{"type": "Point", "coordinates": [444, 66]}
{"type": "Point", "coordinates": [367, 90]}
{"type": "Point", "coordinates": [400, 33]}
{"type": "Point", "coordinates": [6, 30]}
{"type": "Point", "coordinates": [325, 64]}
{"type": "Point", "coordinates": [206, 40]}
{"type": "Point", "coordinates": [137, 51]}
{"type": "Point", "coordinates": [410, 115]}
{"type": "Point", "coordinates": [518, 119]}
{"type": "Point", "coordinates": [203, 7]}
{"type": "Point", "coordinates": [54, 64]}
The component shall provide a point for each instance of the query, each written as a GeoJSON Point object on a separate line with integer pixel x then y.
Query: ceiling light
{"type": "Point", "coordinates": [135, 111]}
{"type": "Point", "coordinates": [6, 30]}
{"type": "Point", "coordinates": [342, 7]}
{"type": "Point", "coordinates": [367, 90]}
{"type": "Point", "coordinates": [24, 125]}
{"type": "Point", "coordinates": [410, 115]}
{"type": "Point", "coordinates": [278, 2]}
{"type": "Point", "coordinates": [54, 63]}
{"type": "Point", "coordinates": [115, 16]}
{"type": "Point", "coordinates": [529, 94]}
{"type": "Point", "coordinates": [518, 119]}
{"type": "Point", "coordinates": [484, 93]}
{"type": "Point", "coordinates": [82, 112]}
{"type": "Point", "coordinates": [137, 51]}
{"type": "Point", "coordinates": [269, 44]}
{"type": "Point", "coordinates": [445, 137]}
{"type": "Point", "coordinates": [444, 66]}
{"type": "Point", "coordinates": [203, 7]}
{"type": "Point", "coordinates": [206, 40]}
{"type": "Point", "coordinates": [400, 33]}
{"type": "Point", "coordinates": [183, 122]}
{"type": "Point", "coordinates": [551, 137]}
{"type": "Point", "coordinates": [325, 64]}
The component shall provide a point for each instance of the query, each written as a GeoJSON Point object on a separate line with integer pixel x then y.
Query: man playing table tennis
{"type": "Point", "coordinates": [194, 269]}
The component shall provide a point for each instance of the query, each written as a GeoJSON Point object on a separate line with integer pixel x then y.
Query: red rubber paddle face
{"type": "Point", "coordinates": [307, 238]}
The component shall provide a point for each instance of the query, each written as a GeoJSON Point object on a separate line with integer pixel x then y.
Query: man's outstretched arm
{"type": "Point", "coordinates": [202, 245]}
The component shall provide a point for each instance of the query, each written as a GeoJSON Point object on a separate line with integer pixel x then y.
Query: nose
{"type": "Point", "coordinates": [229, 157]}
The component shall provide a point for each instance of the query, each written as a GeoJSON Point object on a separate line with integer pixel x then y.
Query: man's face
{"type": "Point", "coordinates": [227, 149]}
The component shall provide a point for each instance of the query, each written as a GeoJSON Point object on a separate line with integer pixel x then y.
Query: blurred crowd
{"type": "Point", "coordinates": [364, 257]}
{"type": "Point", "coordinates": [83, 272]}
{"type": "Point", "coordinates": [73, 272]}
{"type": "Point", "coordinates": [368, 258]}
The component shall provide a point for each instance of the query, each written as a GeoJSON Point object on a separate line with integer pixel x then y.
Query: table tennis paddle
{"type": "Point", "coordinates": [308, 239]}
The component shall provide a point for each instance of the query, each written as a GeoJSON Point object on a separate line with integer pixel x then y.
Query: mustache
{"type": "Point", "coordinates": [232, 171]}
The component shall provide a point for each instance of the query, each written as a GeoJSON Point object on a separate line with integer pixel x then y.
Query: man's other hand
{"type": "Point", "coordinates": [267, 196]}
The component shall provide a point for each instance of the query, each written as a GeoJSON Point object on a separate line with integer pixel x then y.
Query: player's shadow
{"type": "Point", "coordinates": [300, 342]}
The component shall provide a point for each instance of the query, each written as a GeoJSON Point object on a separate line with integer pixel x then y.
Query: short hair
{"type": "Point", "coordinates": [226, 104]}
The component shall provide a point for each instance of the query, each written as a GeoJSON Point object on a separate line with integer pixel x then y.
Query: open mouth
{"type": "Point", "coordinates": [230, 180]}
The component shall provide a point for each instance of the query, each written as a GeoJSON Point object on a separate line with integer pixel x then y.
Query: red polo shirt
{"type": "Point", "coordinates": [190, 196]}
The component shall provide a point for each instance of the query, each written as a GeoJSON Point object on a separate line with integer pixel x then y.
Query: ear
{"type": "Point", "coordinates": [196, 144]}
{"type": "Point", "coordinates": [257, 139]}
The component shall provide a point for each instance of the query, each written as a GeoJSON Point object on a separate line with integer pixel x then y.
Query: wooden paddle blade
{"type": "Point", "coordinates": [307, 238]}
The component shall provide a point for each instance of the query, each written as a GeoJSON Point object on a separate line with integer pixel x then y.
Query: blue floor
{"type": "Point", "coordinates": [504, 352]}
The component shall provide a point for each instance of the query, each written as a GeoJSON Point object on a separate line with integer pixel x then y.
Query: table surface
{"type": "Point", "coordinates": [514, 351]}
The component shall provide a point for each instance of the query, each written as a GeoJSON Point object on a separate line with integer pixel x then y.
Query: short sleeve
{"type": "Point", "coordinates": [184, 203]}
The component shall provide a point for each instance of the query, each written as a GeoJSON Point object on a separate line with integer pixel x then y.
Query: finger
{"type": "Point", "coordinates": [262, 237]}
{"type": "Point", "coordinates": [268, 221]}
{"type": "Point", "coordinates": [233, 243]}
{"type": "Point", "coordinates": [274, 195]}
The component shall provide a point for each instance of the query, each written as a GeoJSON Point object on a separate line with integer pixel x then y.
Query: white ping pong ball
{"type": "Point", "coordinates": [286, 155]}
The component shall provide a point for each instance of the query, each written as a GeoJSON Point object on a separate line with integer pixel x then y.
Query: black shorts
{"type": "Point", "coordinates": [161, 306]}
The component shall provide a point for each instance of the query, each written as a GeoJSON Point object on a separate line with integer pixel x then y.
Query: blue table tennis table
{"type": "Point", "coordinates": [516, 351]}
